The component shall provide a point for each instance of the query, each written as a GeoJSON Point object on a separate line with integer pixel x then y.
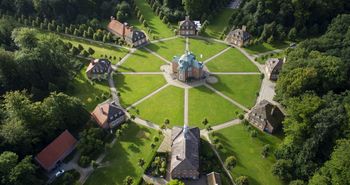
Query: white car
{"type": "Point", "coordinates": [59, 173]}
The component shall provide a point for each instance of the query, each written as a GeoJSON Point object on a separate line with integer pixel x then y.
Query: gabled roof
{"type": "Point", "coordinates": [55, 150]}
{"type": "Point", "coordinates": [274, 64]}
{"type": "Point", "coordinates": [99, 66]}
{"type": "Point", "coordinates": [185, 148]}
{"type": "Point", "coordinates": [187, 22]}
{"type": "Point", "coordinates": [121, 29]}
{"type": "Point", "coordinates": [239, 33]}
{"type": "Point", "coordinates": [268, 114]}
{"type": "Point", "coordinates": [107, 113]}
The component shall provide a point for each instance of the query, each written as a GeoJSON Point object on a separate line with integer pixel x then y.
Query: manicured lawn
{"type": "Point", "coordinates": [141, 61]}
{"type": "Point", "coordinates": [231, 61]}
{"type": "Point", "coordinates": [241, 88]}
{"type": "Point", "coordinates": [266, 47]}
{"type": "Point", "coordinates": [205, 47]}
{"type": "Point", "coordinates": [134, 144]}
{"type": "Point", "coordinates": [237, 141]}
{"type": "Point", "coordinates": [100, 51]}
{"type": "Point", "coordinates": [135, 87]}
{"type": "Point", "coordinates": [204, 103]}
{"type": "Point", "coordinates": [170, 48]}
{"type": "Point", "coordinates": [159, 29]}
{"type": "Point", "coordinates": [89, 94]}
{"type": "Point", "coordinates": [218, 24]}
{"type": "Point", "coordinates": [167, 104]}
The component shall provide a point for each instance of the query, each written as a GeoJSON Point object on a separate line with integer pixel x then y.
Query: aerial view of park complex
{"type": "Point", "coordinates": [175, 92]}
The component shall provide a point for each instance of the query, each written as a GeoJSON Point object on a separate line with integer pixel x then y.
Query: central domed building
{"type": "Point", "coordinates": [187, 67]}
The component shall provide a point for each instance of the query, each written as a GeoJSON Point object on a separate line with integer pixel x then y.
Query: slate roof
{"type": "Point", "coordinates": [54, 152]}
{"type": "Point", "coordinates": [107, 113]}
{"type": "Point", "coordinates": [274, 64]}
{"type": "Point", "coordinates": [187, 22]}
{"type": "Point", "coordinates": [267, 114]}
{"type": "Point", "coordinates": [187, 60]}
{"type": "Point", "coordinates": [241, 34]}
{"type": "Point", "coordinates": [185, 148]}
{"type": "Point", "coordinates": [99, 66]}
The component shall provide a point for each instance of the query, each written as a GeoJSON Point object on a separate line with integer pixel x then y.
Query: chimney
{"type": "Point", "coordinates": [187, 18]}
{"type": "Point", "coordinates": [244, 28]}
{"type": "Point", "coordinates": [124, 27]}
{"type": "Point", "coordinates": [178, 158]}
{"type": "Point", "coordinates": [284, 60]}
{"type": "Point", "coordinates": [103, 112]}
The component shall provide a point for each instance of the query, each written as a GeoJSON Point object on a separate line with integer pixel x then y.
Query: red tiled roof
{"type": "Point", "coordinates": [117, 27]}
{"type": "Point", "coordinates": [100, 114]}
{"type": "Point", "coordinates": [56, 150]}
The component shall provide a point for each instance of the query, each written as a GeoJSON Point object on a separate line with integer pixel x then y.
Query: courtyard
{"type": "Point", "coordinates": [147, 93]}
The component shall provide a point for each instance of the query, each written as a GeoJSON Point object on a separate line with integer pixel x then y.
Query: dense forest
{"type": "Point", "coordinates": [314, 87]}
{"type": "Point", "coordinates": [275, 20]}
{"type": "Point", "coordinates": [66, 11]}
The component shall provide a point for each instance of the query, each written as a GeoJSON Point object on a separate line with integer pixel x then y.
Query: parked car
{"type": "Point", "coordinates": [59, 173]}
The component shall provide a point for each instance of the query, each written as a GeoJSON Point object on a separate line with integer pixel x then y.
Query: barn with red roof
{"type": "Point", "coordinates": [56, 151]}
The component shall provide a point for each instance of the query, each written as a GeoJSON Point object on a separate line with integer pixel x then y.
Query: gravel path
{"type": "Point", "coordinates": [156, 54]}
{"type": "Point", "coordinates": [235, 73]}
{"type": "Point", "coordinates": [217, 55]}
{"type": "Point", "coordinates": [227, 98]}
{"type": "Point", "coordinates": [186, 107]}
{"type": "Point", "coordinates": [148, 96]}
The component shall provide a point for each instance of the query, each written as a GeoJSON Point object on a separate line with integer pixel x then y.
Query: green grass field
{"type": "Point", "coordinates": [135, 87]}
{"type": "Point", "coordinates": [266, 47]}
{"type": "Point", "coordinates": [159, 29]}
{"type": "Point", "coordinates": [204, 103]}
{"type": "Point", "coordinates": [100, 51]}
{"type": "Point", "coordinates": [141, 61]}
{"type": "Point", "coordinates": [167, 104]}
{"type": "Point", "coordinates": [231, 61]}
{"type": "Point", "coordinates": [134, 144]}
{"type": "Point", "coordinates": [168, 49]}
{"type": "Point", "coordinates": [205, 47]}
{"type": "Point", "coordinates": [89, 94]}
{"type": "Point", "coordinates": [218, 24]}
{"type": "Point", "coordinates": [237, 141]}
{"type": "Point", "coordinates": [241, 88]}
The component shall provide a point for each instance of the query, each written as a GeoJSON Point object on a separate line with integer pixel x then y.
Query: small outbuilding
{"type": "Point", "coordinates": [266, 117]}
{"type": "Point", "coordinates": [108, 115]}
{"type": "Point", "coordinates": [56, 151]}
{"type": "Point", "coordinates": [98, 69]}
{"type": "Point", "coordinates": [273, 67]}
{"type": "Point", "coordinates": [133, 37]}
{"type": "Point", "coordinates": [214, 178]}
{"type": "Point", "coordinates": [239, 37]}
{"type": "Point", "coordinates": [187, 27]}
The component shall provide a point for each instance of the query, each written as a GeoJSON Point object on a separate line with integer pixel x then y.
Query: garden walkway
{"type": "Point", "coordinates": [235, 73]}
{"type": "Point", "coordinates": [148, 96]}
{"type": "Point", "coordinates": [156, 54]}
{"type": "Point", "coordinates": [217, 55]}
{"type": "Point", "coordinates": [186, 107]}
{"type": "Point", "coordinates": [227, 98]}
{"type": "Point", "coordinates": [269, 52]}
{"type": "Point", "coordinates": [164, 39]}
